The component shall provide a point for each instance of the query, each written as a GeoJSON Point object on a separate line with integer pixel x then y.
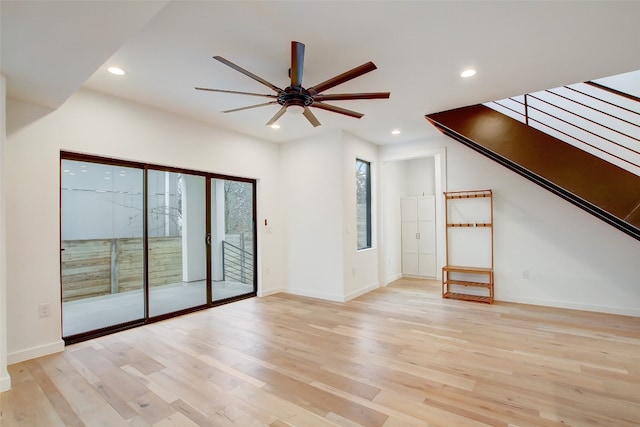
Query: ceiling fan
{"type": "Point", "coordinates": [298, 97]}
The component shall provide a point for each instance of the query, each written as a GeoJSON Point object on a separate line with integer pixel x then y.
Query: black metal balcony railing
{"type": "Point", "coordinates": [589, 116]}
{"type": "Point", "coordinates": [237, 264]}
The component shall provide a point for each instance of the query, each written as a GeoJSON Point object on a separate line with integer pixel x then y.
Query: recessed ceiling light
{"type": "Point", "coordinates": [395, 132]}
{"type": "Point", "coordinates": [116, 71]}
{"type": "Point", "coordinates": [275, 126]}
{"type": "Point", "coordinates": [468, 73]}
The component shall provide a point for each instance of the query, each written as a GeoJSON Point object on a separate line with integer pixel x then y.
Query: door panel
{"type": "Point", "coordinates": [427, 236]}
{"type": "Point", "coordinates": [176, 230]}
{"type": "Point", "coordinates": [409, 236]}
{"type": "Point", "coordinates": [102, 246]}
{"type": "Point", "coordinates": [418, 236]}
{"type": "Point", "coordinates": [233, 239]}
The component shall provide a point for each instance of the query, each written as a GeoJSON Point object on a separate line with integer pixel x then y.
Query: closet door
{"type": "Point", "coordinates": [418, 236]}
{"type": "Point", "coordinates": [426, 236]}
{"type": "Point", "coordinates": [409, 217]}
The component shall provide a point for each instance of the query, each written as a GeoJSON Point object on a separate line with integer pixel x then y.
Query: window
{"type": "Point", "coordinates": [363, 203]}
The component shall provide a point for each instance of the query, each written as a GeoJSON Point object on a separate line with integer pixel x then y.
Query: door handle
{"type": "Point", "coordinates": [208, 239]}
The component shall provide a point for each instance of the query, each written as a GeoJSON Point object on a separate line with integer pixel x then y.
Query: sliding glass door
{"type": "Point", "coordinates": [233, 238]}
{"type": "Point", "coordinates": [102, 245]}
{"type": "Point", "coordinates": [141, 243]}
{"type": "Point", "coordinates": [176, 231]}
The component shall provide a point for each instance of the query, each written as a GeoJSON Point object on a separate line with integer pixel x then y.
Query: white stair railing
{"type": "Point", "coordinates": [588, 116]}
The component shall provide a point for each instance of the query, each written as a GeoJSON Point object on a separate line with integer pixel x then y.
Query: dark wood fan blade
{"type": "Point", "coordinates": [277, 116]}
{"type": "Point", "coordinates": [250, 106]}
{"type": "Point", "coordinates": [348, 96]}
{"type": "Point", "coordinates": [236, 92]}
{"type": "Point", "coordinates": [344, 77]}
{"type": "Point", "coordinates": [297, 63]}
{"type": "Point", "coordinates": [247, 73]}
{"type": "Point", "coordinates": [335, 109]}
{"type": "Point", "coordinates": [312, 119]}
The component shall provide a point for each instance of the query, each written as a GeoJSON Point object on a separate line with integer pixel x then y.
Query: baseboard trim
{"type": "Point", "coordinates": [571, 306]}
{"type": "Point", "coordinates": [270, 292]}
{"type": "Point", "coordinates": [330, 297]}
{"type": "Point", "coordinates": [33, 352]}
{"type": "Point", "coordinates": [363, 291]}
{"type": "Point", "coordinates": [393, 278]}
{"type": "Point", "coordinates": [5, 383]}
{"type": "Point", "coordinates": [311, 294]}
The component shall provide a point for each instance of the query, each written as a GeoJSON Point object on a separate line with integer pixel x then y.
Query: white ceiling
{"type": "Point", "coordinates": [50, 49]}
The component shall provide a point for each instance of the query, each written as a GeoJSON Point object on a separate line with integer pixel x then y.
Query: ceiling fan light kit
{"type": "Point", "coordinates": [295, 97]}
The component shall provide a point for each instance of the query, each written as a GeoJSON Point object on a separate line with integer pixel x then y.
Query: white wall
{"type": "Point", "coordinates": [93, 123]}
{"type": "Point", "coordinates": [573, 259]}
{"type": "Point", "coordinates": [312, 176]}
{"type": "Point", "coordinates": [360, 266]}
{"type": "Point", "coordinates": [319, 190]}
{"type": "Point", "coordinates": [420, 177]}
{"type": "Point", "coordinates": [393, 185]}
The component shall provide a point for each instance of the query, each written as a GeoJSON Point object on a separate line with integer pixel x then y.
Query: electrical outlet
{"type": "Point", "coordinates": [44, 310]}
{"type": "Point", "coordinates": [525, 274]}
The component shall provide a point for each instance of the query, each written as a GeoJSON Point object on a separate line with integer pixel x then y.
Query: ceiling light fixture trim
{"type": "Point", "coordinates": [470, 72]}
{"type": "Point", "coordinates": [116, 71]}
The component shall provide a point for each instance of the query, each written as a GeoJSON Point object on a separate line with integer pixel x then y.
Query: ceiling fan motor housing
{"type": "Point", "coordinates": [295, 96]}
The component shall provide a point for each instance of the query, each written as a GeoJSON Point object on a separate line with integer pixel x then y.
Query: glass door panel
{"type": "Point", "coordinates": [232, 241]}
{"type": "Point", "coordinates": [176, 231]}
{"type": "Point", "coordinates": [102, 246]}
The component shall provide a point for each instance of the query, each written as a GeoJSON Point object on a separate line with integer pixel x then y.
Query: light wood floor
{"type": "Point", "coordinates": [398, 356]}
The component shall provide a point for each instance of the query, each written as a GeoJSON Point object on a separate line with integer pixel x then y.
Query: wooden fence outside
{"type": "Point", "coordinates": [105, 266]}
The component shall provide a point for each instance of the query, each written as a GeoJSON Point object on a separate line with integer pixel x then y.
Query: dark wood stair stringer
{"type": "Point", "coordinates": [605, 190]}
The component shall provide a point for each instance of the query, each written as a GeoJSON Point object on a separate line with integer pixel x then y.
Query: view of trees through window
{"type": "Point", "coordinates": [363, 203]}
{"type": "Point", "coordinates": [238, 207]}
{"type": "Point", "coordinates": [238, 214]}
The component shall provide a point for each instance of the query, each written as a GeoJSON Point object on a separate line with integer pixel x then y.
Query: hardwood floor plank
{"type": "Point", "coordinates": [26, 405]}
{"type": "Point", "coordinates": [115, 400]}
{"type": "Point", "coordinates": [57, 401]}
{"type": "Point", "coordinates": [395, 357]}
{"type": "Point", "coordinates": [110, 375]}
{"type": "Point", "coordinates": [176, 419]}
{"type": "Point", "coordinates": [103, 415]}
{"type": "Point", "coordinates": [286, 412]}
{"type": "Point", "coordinates": [151, 408]}
{"type": "Point", "coordinates": [121, 353]}
{"type": "Point", "coordinates": [311, 398]}
{"type": "Point", "coordinates": [422, 411]}
{"type": "Point", "coordinates": [190, 413]}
